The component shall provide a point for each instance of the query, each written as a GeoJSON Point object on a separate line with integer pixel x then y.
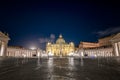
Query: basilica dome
{"type": "Point", "coordinates": [60, 40]}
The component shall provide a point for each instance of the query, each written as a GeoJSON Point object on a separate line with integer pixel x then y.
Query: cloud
{"type": "Point", "coordinates": [47, 39]}
{"type": "Point", "coordinates": [43, 40]}
{"type": "Point", "coordinates": [108, 31]}
{"type": "Point", "coordinates": [52, 36]}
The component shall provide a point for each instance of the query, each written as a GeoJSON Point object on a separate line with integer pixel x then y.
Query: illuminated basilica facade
{"type": "Point", "coordinates": [61, 48]}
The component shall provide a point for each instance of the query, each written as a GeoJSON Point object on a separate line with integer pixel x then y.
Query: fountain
{"type": "Point", "coordinates": [82, 63]}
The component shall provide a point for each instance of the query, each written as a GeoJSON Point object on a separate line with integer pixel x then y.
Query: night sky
{"type": "Point", "coordinates": [34, 23]}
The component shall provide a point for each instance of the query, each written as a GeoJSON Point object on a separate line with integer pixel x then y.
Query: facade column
{"type": "Point", "coordinates": [7, 53]}
{"type": "Point", "coordinates": [20, 53]}
{"type": "Point", "coordinates": [29, 54]}
{"type": "Point", "coordinates": [26, 53]}
{"type": "Point", "coordinates": [116, 49]}
{"type": "Point", "coordinates": [32, 54]}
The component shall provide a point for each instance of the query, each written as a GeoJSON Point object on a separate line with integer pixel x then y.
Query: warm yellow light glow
{"type": "Point", "coordinates": [50, 54]}
{"type": "Point", "coordinates": [71, 54]}
{"type": "Point", "coordinates": [60, 48]}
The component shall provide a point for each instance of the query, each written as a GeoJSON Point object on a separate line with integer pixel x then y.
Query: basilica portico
{"type": "Point", "coordinates": [3, 43]}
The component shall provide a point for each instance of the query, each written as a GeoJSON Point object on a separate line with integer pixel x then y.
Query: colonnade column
{"type": "Point", "coordinates": [2, 49]}
{"type": "Point", "coordinates": [116, 49]}
{"type": "Point", "coordinates": [0, 46]}
{"type": "Point", "coordinates": [118, 44]}
{"type": "Point", "coordinates": [5, 50]}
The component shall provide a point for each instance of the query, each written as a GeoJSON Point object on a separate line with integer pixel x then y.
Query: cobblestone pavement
{"type": "Point", "coordinates": [59, 69]}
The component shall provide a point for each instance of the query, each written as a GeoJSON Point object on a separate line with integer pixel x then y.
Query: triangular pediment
{"type": "Point", "coordinates": [3, 36]}
{"type": "Point", "coordinates": [116, 37]}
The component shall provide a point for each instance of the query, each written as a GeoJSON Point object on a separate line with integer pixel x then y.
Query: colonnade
{"type": "Point", "coordinates": [102, 52]}
{"type": "Point", "coordinates": [21, 52]}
